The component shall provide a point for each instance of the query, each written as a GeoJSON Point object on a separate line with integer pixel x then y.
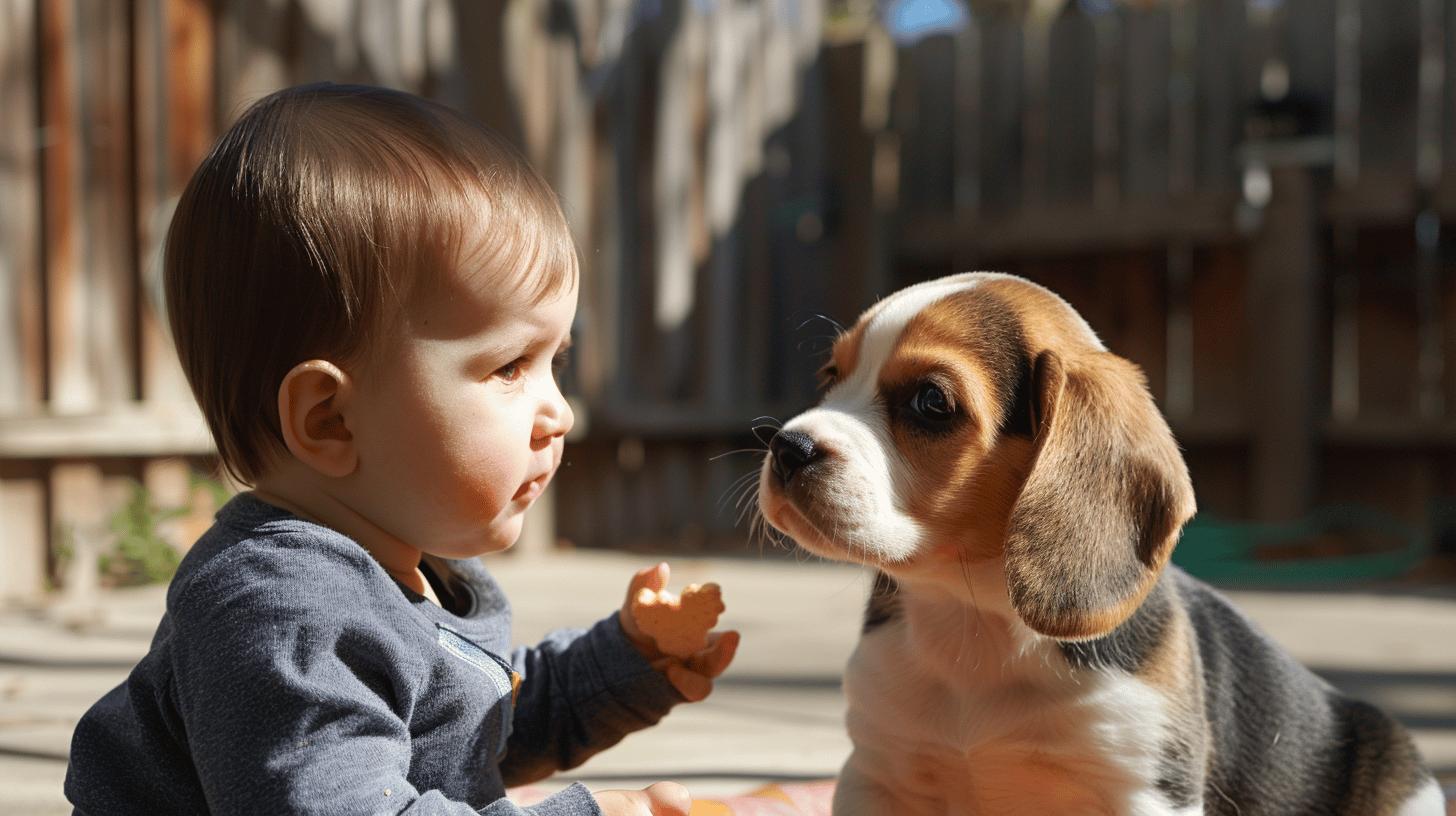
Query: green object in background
{"type": "Point", "coordinates": [139, 555]}
{"type": "Point", "coordinates": [138, 552]}
{"type": "Point", "coordinates": [1254, 554]}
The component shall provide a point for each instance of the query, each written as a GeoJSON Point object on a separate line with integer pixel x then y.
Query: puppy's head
{"type": "Point", "coordinates": [977, 418]}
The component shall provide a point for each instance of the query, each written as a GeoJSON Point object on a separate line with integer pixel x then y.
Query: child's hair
{"type": "Point", "coordinates": [312, 223]}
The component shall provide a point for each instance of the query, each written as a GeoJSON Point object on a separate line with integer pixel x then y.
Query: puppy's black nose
{"type": "Point", "coordinates": [791, 450]}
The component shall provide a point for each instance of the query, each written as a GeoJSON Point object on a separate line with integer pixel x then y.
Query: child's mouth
{"type": "Point", "coordinates": [532, 489]}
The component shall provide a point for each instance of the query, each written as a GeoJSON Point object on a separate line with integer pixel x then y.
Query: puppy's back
{"type": "Point", "coordinates": [1285, 741]}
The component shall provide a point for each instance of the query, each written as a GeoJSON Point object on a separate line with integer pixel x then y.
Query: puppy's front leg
{"type": "Point", "coordinates": [858, 794]}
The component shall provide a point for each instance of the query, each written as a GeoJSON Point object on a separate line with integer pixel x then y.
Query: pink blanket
{"type": "Point", "coordinates": [796, 799]}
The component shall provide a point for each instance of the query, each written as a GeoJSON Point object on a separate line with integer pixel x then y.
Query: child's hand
{"type": "Point", "coordinates": [693, 675]}
{"type": "Point", "coordinates": [662, 799]}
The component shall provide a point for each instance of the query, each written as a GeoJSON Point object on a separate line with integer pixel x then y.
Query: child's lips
{"type": "Point", "coordinates": [532, 489]}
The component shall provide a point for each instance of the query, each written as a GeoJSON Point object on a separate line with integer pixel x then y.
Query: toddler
{"type": "Point", "coordinates": [370, 296]}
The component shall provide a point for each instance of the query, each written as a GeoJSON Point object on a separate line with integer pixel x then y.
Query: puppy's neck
{"type": "Point", "coordinates": [962, 625]}
{"type": "Point", "coordinates": [976, 585]}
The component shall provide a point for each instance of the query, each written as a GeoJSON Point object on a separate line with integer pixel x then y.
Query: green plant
{"type": "Point", "coordinates": [139, 554]}
{"type": "Point", "coordinates": [63, 550]}
{"type": "Point", "coordinates": [216, 488]}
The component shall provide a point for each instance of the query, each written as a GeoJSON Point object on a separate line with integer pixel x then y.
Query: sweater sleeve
{"type": "Point", "coordinates": [289, 702]}
{"type": "Point", "coordinates": [581, 693]}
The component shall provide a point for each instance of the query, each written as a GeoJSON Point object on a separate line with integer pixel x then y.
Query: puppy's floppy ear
{"type": "Point", "coordinates": [1104, 502]}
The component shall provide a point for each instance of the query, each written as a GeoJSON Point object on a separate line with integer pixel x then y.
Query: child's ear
{"type": "Point", "coordinates": [311, 405]}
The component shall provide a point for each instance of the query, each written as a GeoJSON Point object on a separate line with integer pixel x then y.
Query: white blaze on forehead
{"type": "Point", "coordinates": [895, 311]}
{"type": "Point", "coordinates": [885, 322]}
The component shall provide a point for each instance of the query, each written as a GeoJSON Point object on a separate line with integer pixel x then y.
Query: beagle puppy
{"type": "Point", "coordinates": [1027, 649]}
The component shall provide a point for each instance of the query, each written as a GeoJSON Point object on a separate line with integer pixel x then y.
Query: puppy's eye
{"type": "Point", "coordinates": [828, 375]}
{"type": "Point", "coordinates": [930, 405]}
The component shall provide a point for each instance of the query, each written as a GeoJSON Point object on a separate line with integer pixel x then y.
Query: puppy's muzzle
{"type": "Point", "coordinates": [791, 452]}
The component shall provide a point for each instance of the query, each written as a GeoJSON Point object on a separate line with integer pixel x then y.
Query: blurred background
{"type": "Point", "coordinates": [1248, 198]}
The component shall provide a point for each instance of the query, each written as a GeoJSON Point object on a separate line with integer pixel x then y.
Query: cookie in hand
{"type": "Point", "coordinates": [679, 625]}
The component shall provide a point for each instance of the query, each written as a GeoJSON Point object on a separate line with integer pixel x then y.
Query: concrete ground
{"type": "Point", "coordinates": [777, 713]}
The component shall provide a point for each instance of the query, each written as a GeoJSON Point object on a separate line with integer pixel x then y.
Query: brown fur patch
{"type": "Point", "coordinates": [1046, 320]}
{"type": "Point", "coordinates": [1102, 508]}
{"type": "Point", "coordinates": [844, 356]}
{"type": "Point", "coordinates": [967, 480]}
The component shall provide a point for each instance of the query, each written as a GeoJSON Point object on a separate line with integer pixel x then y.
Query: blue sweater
{"type": "Point", "coordinates": [291, 674]}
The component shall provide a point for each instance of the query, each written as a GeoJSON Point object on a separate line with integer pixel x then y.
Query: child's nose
{"type": "Point", "coordinates": [555, 417]}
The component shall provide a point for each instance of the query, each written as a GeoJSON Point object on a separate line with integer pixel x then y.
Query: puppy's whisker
{"type": "Point", "coordinates": [819, 316]}
{"type": "Point", "coordinates": [765, 433]}
{"type": "Point", "coordinates": [744, 478]}
{"type": "Point", "coordinates": [737, 484]}
{"type": "Point", "coordinates": [744, 507]}
{"type": "Point", "coordinates": [732, 452]}
{"type": "Point", "coordinates": [738, 494]}
{"type": "Point", "coordinates": [748, 501]}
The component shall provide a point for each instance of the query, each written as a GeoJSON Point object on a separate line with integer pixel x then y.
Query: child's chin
{"type": "Point", "coordinates": [503, 535]}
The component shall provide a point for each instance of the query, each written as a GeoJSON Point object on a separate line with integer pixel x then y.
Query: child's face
{"type": "Point", "coordinates": [460, 424]}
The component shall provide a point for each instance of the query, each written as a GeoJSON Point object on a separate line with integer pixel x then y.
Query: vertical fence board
{"type": "Point", "coordinates": [674, 269]}
{"type": "Point", "coordinates": [77, 522]}
{"type": "Point", "coordinates": [70, 387]}
{"type": "Point", "coordinates": [855, 242]}
{"type": "Point", "coordinates": [1145, 69]}
{"type": "Point", "coordinates": [22, 360]}
{"type": "Point", "coordinates": [149, 114]}
{"type": "Point", "coordinates": [924, 112]}
{"type": "Point", "coordinates": [1220, 29]}
{"type": "Point", "coordinates": [23, 530]}
{"type": "Point", "coordinates": [1220, 354]}
{"type": "Point", "coordinates": [1107, 125]}
{"type": "Point", "coordinates": [1069, 115]}
{"type": "Point", "coordinates": [1389, 67]}
{"type": "Point", "coordinates": [107, 277]}
{"type": "Point", "coordinates": [1281, 311]}
{"type": "Point", "coordinates": [176, 118]}
{"type": "Point", "coordinates": [252, 45]}
{"type": "Point", "coordinates": [1447, 112]}
{"type": "Point", "coordinates": [965, 161]}
{"type": "Point", "coordinates": [1000, 113]}
{"type": "Point", "coordinates": [1387, 315]}
{"type": "Point", "coordinates": [1309, 35]}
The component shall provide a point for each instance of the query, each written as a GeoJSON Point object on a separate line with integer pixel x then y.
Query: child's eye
{"type": "Point", "coordinates": [559, 361]}
{"type": "Point", "coordinates": [510, 372]}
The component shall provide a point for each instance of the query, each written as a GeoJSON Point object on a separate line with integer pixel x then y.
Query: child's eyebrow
{"type": "Point", "coordinates": [500, 350]}
{"type": "Point", "coordinates": [492, 353]}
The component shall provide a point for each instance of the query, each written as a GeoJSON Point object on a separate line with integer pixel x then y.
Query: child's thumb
{"type": "Point", "coordinates": [653, 578]}
{"type": "Point", "coordinates": [669, 799]}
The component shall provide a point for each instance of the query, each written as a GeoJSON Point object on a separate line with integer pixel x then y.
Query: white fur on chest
{"type": "Point", "coordinates": [968, 712]}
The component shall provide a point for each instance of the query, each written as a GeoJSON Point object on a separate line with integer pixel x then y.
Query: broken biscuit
{"type": "Point", "coordinates": [679, 625]}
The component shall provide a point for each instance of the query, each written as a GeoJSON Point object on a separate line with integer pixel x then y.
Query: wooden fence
{"type": "Point", "coordinates": [653, 121]}
{"type": "Point", "coordinates": [1248, 199]}
{"type": "Point", "coordinates": [1245, 198]}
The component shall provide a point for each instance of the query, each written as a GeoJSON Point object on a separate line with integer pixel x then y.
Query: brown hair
{"type": "Point", "coordinates": [310, 225]}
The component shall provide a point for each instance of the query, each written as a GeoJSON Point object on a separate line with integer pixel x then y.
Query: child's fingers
{"type": "Point", "coordinates": [713, 660]}
{"type": "Point", "coordinates": [689, 684]}
{"type": "Point", "coordinates": [638, 582]}
{"type": "Point", "coordinates": [669, 799]}
{"type": "Point", "coordinates": [653, 578]}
